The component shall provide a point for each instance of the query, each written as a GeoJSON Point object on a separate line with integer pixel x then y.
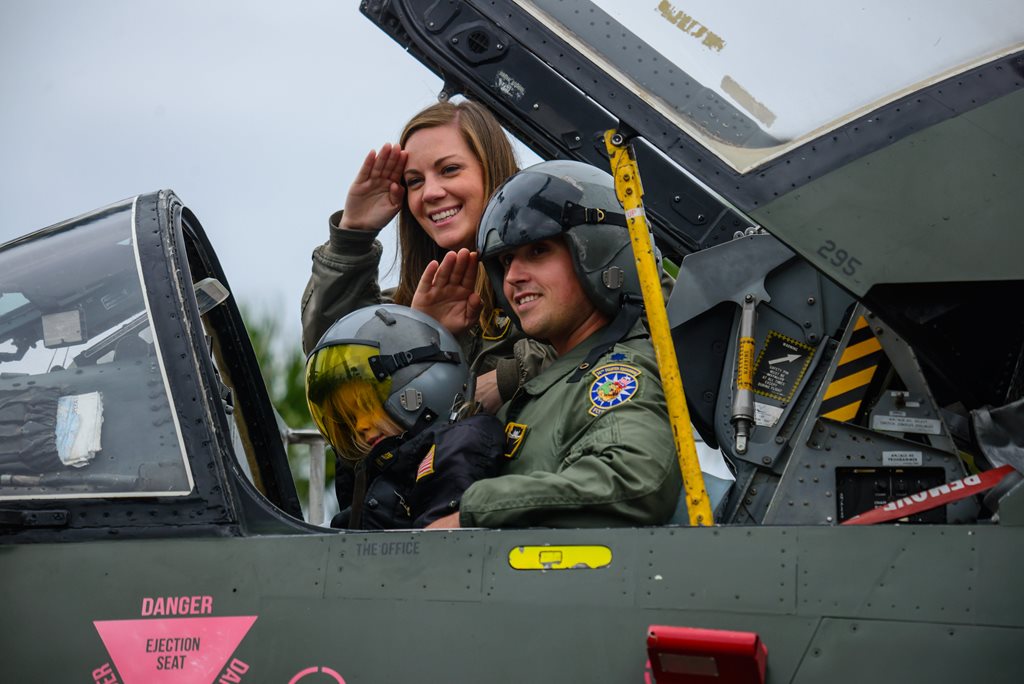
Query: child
{"type": "Point", "coordinates": [384, 385]}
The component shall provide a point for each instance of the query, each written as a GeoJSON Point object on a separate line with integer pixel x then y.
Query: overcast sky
{"type": "Point", "coordinates": [256, 112]}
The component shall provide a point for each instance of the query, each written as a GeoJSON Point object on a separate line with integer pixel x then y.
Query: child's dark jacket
{"type": "Point", "coordinates": [412, 481]}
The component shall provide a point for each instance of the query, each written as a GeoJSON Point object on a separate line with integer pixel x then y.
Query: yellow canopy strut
{"type": "Point", "coordinates": [630, 194]}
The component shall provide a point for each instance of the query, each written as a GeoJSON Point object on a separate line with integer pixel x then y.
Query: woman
{"type": "Point", "coordinates": [450, 158]}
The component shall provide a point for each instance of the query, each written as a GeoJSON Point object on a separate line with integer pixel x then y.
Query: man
{"type": "Point", "coordinates": [588, 441]}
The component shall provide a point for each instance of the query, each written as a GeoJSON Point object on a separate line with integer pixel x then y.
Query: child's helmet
{"type": "Point", "coordinates": [411, 362]}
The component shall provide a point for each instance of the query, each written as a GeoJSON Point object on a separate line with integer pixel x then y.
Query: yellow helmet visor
{"type": "Point", "coordinates": [343, 393]}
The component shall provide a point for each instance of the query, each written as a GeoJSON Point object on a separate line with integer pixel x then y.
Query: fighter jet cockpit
{"type": "Point", "coordinates": [129, 396]}
{"type": "Point", "coordinates": [838, 185]}
{"type": "Point", "coordinates": [84, 404]}
{"type": "Point", "coordinates": [842, 214]}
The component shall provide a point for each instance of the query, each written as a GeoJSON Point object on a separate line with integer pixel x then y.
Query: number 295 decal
{"type": "Point", "coordinates": [839, 257]}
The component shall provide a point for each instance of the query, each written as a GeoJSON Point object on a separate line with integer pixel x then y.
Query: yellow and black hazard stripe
{"type": "Point", "coordinates": [854, 372]}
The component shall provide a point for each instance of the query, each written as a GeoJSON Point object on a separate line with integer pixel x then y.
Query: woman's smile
{"type": "Point", "coordinates": [444, 184]}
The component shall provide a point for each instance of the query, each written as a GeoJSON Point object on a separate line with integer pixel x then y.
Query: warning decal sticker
{"type": "Point", "coordinates": [186, 650]}
{"type": "Point", "coordinates": [780, 366]}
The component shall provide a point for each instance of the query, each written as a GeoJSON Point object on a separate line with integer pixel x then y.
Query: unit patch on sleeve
{"type": "Point", "coordinates": [514, 435]}
{"type": "Point", "coordinates": [426, 465]}
{"type": "Point", "coordinates": [614, 384]}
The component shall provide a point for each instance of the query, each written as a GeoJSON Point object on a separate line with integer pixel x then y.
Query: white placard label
{"type": "Point", "coordinates": [766, 415]}
{"type": "Point", "coordinates": [902, 458]}
{"type": "Point", "coordinates": [921, 426]}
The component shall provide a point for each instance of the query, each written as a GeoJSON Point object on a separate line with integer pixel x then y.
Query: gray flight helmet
{"type": "Point", "coordinates": [414, 363]}
{"type": "Point", "coordinates": [569, 199]}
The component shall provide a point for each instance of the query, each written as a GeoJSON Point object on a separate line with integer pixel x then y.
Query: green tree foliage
{"type": "Point", "coordinates": [282, 366]}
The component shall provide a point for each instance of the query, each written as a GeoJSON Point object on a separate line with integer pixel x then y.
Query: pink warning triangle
{"type": "Point", "coordinates": [179, 650]}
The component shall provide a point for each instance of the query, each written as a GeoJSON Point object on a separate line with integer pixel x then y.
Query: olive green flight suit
{"type": "Point", "coordinates": [595, 453]}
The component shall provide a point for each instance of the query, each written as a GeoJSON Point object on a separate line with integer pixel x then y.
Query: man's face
{"type": "Point", "coordinates": [544, 292]}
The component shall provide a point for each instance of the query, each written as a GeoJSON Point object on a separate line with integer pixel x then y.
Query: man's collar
{"type": "Point", "coordinates": [567, 363]}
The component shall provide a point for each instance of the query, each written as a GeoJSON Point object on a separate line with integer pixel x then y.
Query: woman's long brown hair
{"type": "Point", "coordinates": [486, 139]}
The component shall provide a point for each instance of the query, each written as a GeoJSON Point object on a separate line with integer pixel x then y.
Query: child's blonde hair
{"type": "Point", "coordinates": [351, 401]}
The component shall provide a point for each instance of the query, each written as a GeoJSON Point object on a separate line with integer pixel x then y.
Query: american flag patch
{"type": "Point", "coordinates": [426, 465]}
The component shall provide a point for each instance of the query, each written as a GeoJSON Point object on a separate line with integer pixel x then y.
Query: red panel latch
{"type": "Point", "coordinates": [689, 655]}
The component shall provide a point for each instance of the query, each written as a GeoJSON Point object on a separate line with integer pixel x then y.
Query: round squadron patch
{"type": "Point", "coordinates": [614, 384]}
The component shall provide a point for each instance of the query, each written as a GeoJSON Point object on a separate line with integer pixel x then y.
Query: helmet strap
{"type": "Point", "coordinates": [576, 215]}
{"type": "Point", "coordinates": [388, 364]}
{"type": "Point", "coordinates": [629, 314]}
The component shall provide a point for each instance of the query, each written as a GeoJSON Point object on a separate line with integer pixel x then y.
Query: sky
{"type": "Point", "coordinates": [257, 113]}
